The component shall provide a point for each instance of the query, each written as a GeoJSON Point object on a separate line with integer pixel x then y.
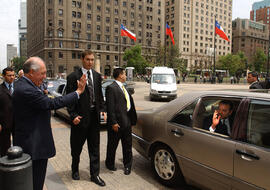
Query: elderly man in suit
{"type": "Point", "coordinates": [6, 113]}
{"type": "Point", "coordinates": [32, 112]}
{"type": "Point", "coordinates": [121, 116]}
{"type": "Point", "coordinates": [221, 121]}
{"type": "Point", "coordinates": [252, 79]}
{"type": "Point", "coordinates": [85, 117]}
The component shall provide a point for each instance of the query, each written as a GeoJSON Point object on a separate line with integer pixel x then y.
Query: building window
{"type": "Point", "coordinates": [73, 3]}
{"type": "Point", "coordinates": [88, 46]}
{"type": "Point", "coordinates": [88, 36]}
{"type": "Point", "coordinates": [98, 47]}
{"type": "Point", "coordinates": [50, 22]}
{"type": "Point", "coordinates": [50, 54]}
{"type": "Point", "coordinates": [49, 11]}
{"type": "Point", "coordinates": [60, 33]}
{"type": "Point", "coordinates": [88, 26]}
{"type": "Point", "coordinates": [98, 37]}
{"type": "Point", "coordinates": [88, 16]}
{"type": "Point", "coordinates": [73, 24]}
{"type": "Point", "coordinates": [98, 27]}
{"type": "Point", "coordinates": [60, 2]}
{"type": "Point", "coordinates": [60, 12]}
{"type": "Point", "coordinates": [108, 57]}
{"type": "Point", "coordinates": [78, 24]}
{"type": "Point", "coordinates": [76, 35]}
{"type": "Point", "coordinates": [60, 44]}
{"type": "Point", "coordinates": [76, 44]}
{"type": "Point", "coordinates": [108, 48]}
{"type": "Point", "coordinates": [73, 55]}
{"type": "Point", "coordinates": [98, 18]}
{"type": "Point", "coordinates": [78, 14]}
{"type": "Point", "coordinates": [107, 38]}
{"type": "Point", "coordinates": [73, 14]}
{"type": "Point", "coordinates": [60, 22]}
{"type": "Point", "coordinates": [60, 55]}
{"type": "Point", "coordinates": [50, 44]}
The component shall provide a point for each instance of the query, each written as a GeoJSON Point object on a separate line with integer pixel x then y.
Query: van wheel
{"type": "Point", "coordinates": [165, 166]}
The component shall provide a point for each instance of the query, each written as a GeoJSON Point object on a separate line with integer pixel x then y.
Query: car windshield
{"type": "Point", "coordinates": [163, 78]}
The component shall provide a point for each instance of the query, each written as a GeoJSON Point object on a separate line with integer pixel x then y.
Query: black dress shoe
{"type": "Point", "coordinates": [111, 168]}
{"type": "Point", "coordinates": [97, 180]}
{"type": "Point", "coordinates": [75, 176]}
{"type": "Point", "coordinates": [127, 171]}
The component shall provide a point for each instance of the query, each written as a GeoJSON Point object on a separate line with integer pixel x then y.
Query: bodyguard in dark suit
{"type": "Point", "coordinates": [32, 114]}
{"type": "Point", "coordinates": [85, 117]}
{"type": "Point", "coordinates": [6, 113]}
{"type": "Point", "coordinates": [121, 116]}
{"type": "Point", "coordinates": [221, 121]}
{"type": "Point", "coordinates": [252, 79]}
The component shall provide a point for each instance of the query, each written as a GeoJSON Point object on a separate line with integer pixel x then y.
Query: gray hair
{"type": "Point", "coordinates": [32, 64]}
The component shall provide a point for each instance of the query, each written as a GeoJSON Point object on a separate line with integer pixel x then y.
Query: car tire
{"type": "Point", "coordinates": [166, 167]}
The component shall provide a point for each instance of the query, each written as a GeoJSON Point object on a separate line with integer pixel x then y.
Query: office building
{"type": "Point", "coordinates": [23, 30]}
{"type": "Point", "coordinates": [248, 36]}
{"type": "Point", "coordinates": [193, 25]}
{"type": "Point", "coordinates": [58, 30]}
{"type": "Point", "coordinates": [11, 53]}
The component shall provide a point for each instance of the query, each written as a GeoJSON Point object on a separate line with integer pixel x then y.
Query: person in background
{"type": "Point", "coordinates": [6, 113]}
{"type": "Point", "coordinates": [121, 116]}
{"type": "Point", "coordinates": [32, 116]}
{"type": "Point", "coordinates": [252, 79]}
{"type": "Point", "coordinates": [85, 117]}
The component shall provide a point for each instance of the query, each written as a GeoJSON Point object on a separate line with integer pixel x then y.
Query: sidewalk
{"type": "Point", "coordinates": [59, 172]}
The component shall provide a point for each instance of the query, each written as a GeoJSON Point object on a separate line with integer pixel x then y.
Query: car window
{"type": "Point", "coordinates": [60, 88]}
{"type": "Point", "coordinates": [205, 109]}
{"type": "Point", "coordinates": [184, 117]}
{"type": "Point", "coordinates": [258, 127]}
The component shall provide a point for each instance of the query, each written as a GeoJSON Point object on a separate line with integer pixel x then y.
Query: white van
{"type": "Point", "coordinates": [163, 83]}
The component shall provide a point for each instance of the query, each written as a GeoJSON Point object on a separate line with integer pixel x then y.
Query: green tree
{"type": "Point", "coordinates": [259, 60]}
{"type": "Point", "coordinates": [18, 63]}
{"type": "Point", "coordinates": [232, 63]}
{"type": "Point", "coordinates": [173, 58]}
{"type": "Point", "coordinates": [135, 59]}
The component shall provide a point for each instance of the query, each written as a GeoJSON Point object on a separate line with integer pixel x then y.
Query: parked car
{"type": "Point", "coordinates": [53, 84]}
{"type": "Point", "coordinates": [61, 90]}
{"type": "Point", "coordinates": [181, 151]}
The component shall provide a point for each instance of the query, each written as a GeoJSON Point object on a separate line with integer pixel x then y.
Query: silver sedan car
{"type": "Point", "coordinates": [182, 150]}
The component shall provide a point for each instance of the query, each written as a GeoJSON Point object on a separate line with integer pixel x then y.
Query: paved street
{"type": "Point", "coordinates": [59, 175]}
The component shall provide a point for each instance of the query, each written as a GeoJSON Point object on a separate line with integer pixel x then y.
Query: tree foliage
{"type": "Point", "coordinates": [233, 63]}
{"type": "Point", "coordinates": [135, 59]}
{"type": "Point", "coordinates": [18, 63]}
{"type": "Point", "coordinates": [259, 61]}
{"type": "Point", "coordinates": [173, 58]}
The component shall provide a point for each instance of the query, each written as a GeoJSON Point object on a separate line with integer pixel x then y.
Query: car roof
{"type": "Point", "coordinates": [168, 110]}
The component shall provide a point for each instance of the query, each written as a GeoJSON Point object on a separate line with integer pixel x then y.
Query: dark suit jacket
{"type": "Point", "coordinates": [32, 112]}
{"type": "Point", "coordinates": [220, 128]}
{"type": "Point", "coordinates": [6, 114]}
{"type": "Point", "coordinates": [255, 85]}
{"type": "Point", "coordinates": [82, 107]}
{"type": "Point", "coordinates": [117, 107]}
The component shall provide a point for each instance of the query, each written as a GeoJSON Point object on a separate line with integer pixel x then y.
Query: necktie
{"type": "Point", "coordinates": [10, 88]}
{"type": "Point", "coordinates": [126, 96]}
{"type": "Point", "coordinates": [90, 88]}
{"type": "Point", "coordinates": [227, 125]}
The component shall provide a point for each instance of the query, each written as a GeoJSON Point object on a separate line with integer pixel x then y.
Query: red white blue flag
{"type": "Point", "coordinates": [169, 32]}
{"type": "Point", "coordinates": [219, 30]}
{"type": "Point", "coordinates": [126, 32]}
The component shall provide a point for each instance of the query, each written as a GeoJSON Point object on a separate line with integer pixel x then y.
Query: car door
{"type": "Point", "coordinates": [252, 158]}
{"type": "Point", "coordinates": [206, 158]}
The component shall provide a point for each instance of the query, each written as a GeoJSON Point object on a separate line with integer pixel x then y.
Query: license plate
{"type": "Point", "coordinates": [163, 96]}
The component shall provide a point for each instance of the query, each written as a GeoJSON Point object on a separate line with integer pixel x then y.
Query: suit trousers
{"type": "Point", "coordinates": [39, 173]}
{"type": "Point", "coordinates": [4, 142]}
{"type": "Point", "coordinates": [123, 134]}
{"type": "Point", "coordinates": [91, 133]}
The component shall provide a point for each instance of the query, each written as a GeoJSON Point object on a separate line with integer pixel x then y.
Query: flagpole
{"type": "Point", "coordinates": [165, 44]}
{"type": "Point", "coordinates": [214, 69]}
{"type": "Point", "coordinates": [119, 44]}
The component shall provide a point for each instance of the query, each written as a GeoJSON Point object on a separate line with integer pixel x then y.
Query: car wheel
{"type": "Point", "coordinates": [165, 166]}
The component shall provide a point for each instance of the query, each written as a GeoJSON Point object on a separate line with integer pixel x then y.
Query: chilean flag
{"type": "Point", "coordinates": [219, 30]}
{"type": "Point", "coordinates": [126, 32]}
{"type": "Point", "coordinates": [169, 32]}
